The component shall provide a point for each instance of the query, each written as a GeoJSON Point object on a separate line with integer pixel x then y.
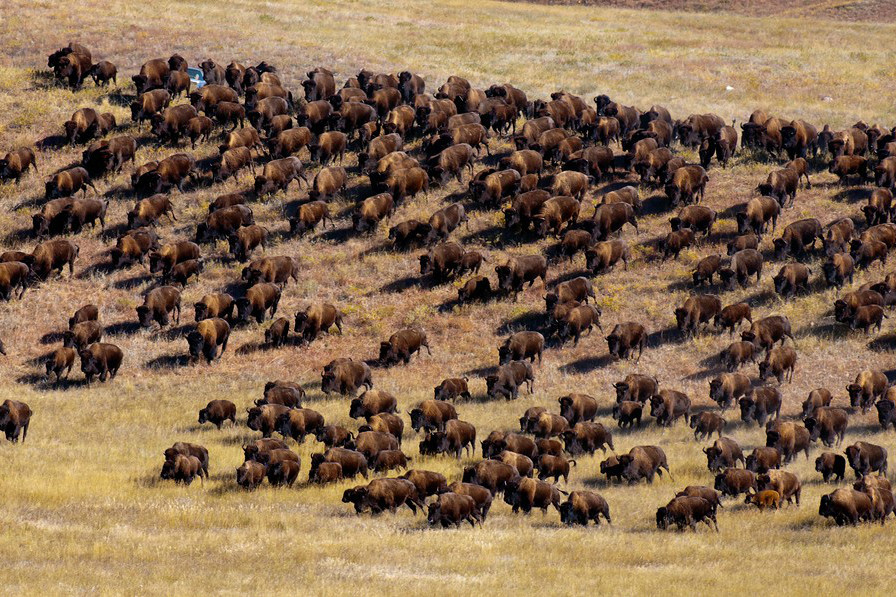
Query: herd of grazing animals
{"type": "Point", "coordinates": [563, 148]}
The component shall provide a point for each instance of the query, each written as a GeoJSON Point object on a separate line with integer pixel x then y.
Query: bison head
{"type": "Point", "coordinates": [855, 394]}
{"type": "Point", "coordinates": [663, 519]}
{"type": "Point", "coordinates": [571, 442]}
{"type": "Point", "coordinates": [418, 420]}
{"type": "Point", "coordinates": [780, 282]}
{"type": "Point", "coordinates": [614, 345]}
{"type": "Point", "coordinates": [747, 409]}
{"type": "Point", "coordinates": [885, 413]}
{"type": "Point", "coordinates": [854, 457]}
{"type": "Point", "coordinates": [814, 428]}
{"type": "Point", "coordinates": [426, 265]}
{"type": "Point", "coordinates": [566, 410]}
{"type": "Point", "coordinates": [254, 419]}
{"type": "Point", "coordinates": [89, 365]}
{"type": "Point", "coordinates": [622, 391]}
{"type": "Point", "coordinates": [504, 276]}
{"type": "Point", "coordinates": [657, 406]}
{"type": "Point", "coordinates": [168, 470]}
{"type": "Point", "coordinates": [830, 273]}
{"type": "Point", "coordinates": [356, 409]}
{"type": "Point", "coordinates": [713, 455]}
{"type": "Point", "coordinates": [781, 248]}
{"type": "Point", "coordinates": [328, 383]}
{"type": "Point", "coordinates": [788, 137]}
{"type": "Point", "coordinates": [145, 316]}
{"type": "Point", "coordinates": [434, 516]}
{"type": "Point", "coordinates": [196, 342]}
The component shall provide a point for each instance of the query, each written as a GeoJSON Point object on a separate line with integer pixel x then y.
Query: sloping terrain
{"type": "Point", "coordinates": [875, 11]}
{"type": "Point", "coordinates": [84, 508]}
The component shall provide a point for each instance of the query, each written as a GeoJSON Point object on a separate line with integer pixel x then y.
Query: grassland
{"type": "Point", "coordinates": [83, 510]}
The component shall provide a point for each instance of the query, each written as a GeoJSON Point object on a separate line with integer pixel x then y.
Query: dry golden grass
{"type": "Point", "coordinates": [83, 510]}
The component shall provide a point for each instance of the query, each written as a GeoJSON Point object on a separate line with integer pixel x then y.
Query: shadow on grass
{"type": "Point", "coordinates": [851, 194]}
{"type": "Point", "coordinates": [51, 338]}
{"type": "Point", "coordinates": [253, 347]}
{"type": "Point", "coordinates": [168, 362]}
{"type": "Point", "coordinates": [883, 343]}
{"type": "Point", "coordinates": [44, 383]}
{"type": "Point", "coordinates": [654, 205]}
{"type": "Point", "coordinates": [666, 336]}
{"type": "Point", "coordinates": [17, 237]}
{"type": "Point", "coordinates": [122, 328]}
{"type": "Point", "coordinates": [133, 281]}
{"type": "Point", "coordinates": [402, 284]}
{"type": "Point", "coordinates": [103, 268]}
{"type": "Point", "coordinates": [587, 364]}
{"type": "Point", "coordinates": [531, 320]}
{"type": "Point", "coordinates": [827, 331]}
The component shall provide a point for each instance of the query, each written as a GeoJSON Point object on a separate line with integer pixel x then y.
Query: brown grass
{"type": "Point", "coordinates": [83, 508]}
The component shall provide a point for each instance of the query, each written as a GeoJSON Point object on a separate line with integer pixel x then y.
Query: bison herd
{"type": "Point", "coordinates": [562, 149]}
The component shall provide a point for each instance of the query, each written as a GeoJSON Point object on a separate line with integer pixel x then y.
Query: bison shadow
{"type": "Point", "coordinates": [120, 192]}
{"type": "Point", "coordinates": [133, 282]}
{"type": "Point", "coordinates": [241, 439]}
{"type": "Point", "coordinates": [117, 98]}
{"type": "Point", "coordinates": [113, 232]}
{"type": "Point", "coordinates": [480, 372]}
{"type": "Point", "coordinates": [829, 331]}
{"type": "Point", "coordinates": [655, 204]}
{"type": "Point", "coordinates": [51, 338]}
{"type": "Point", "coordinates": [731, 212]}
{"type": "Point", "coordinates": [587, 364]}
{"type": "Point", "coordinates": [338, 235]}
{"type": "Point", "coordinates": [17, 237]}
{"type": "Point", "coordinates": [401, 284]}
{"type": "Point", "coordinates": [764, 297]}
{"type": "Point", "coordinates": [103, 268]}
{"type": "Point", "coordinates": [705, 374]}
{"type": "Point", "coordinates": [884, 343]}
{"type": "Point", "coordinates": [253, 347]}
{"type": "Point", "coordinates": [666, 336]}
{"type": "Point", "coordinates": [861, 429]}
{"type": "Point", "coordinates": [173, 333]}
{"type": "Point", "coordinates": [851, 194]}
{"type": "Point", "coordinates": [531, 320]}
{"type": "Point", "coordinates": [40, 360]}
{"type": "Point", "coordinates": [497, 235]}
{"type": "Point", "coordinates": [43, 383]}
{"type": "Point", "coordinates": [173, 361]}
{"type": "Point", "coordinates": [122, 328]}
{"type": "Point", "coordinates": [566, 277]}
{"type": "Point", "coordinates": [51, 143]}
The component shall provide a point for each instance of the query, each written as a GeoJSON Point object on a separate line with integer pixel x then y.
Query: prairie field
{"type": "Point", "coordinates": [84, 509]}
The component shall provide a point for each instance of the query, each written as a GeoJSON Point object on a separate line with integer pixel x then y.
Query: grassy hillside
{"type": "Point", "coordinates": [84, 510]}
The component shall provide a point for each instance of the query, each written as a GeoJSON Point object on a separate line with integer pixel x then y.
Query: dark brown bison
{"type": "Point", "coordinates": [760, 405]}
{"type": "Point", "coordinates": [217, 412]}
{"type": "Point", "coordinates": [831, 465]}
{"type": "Point", "coordinates": [207, 337]}
{"type": "Point", "coordinates": [625, 339]}
{"type": "Point", "coordinates": [157, 306]}
{"type": "Point", "coordinates": [346, 376]}
{"type": "Point", "coordinates": [100, 360]}
{"type": "Point", "coordinates": [259, 299]}
{"type": "Point", "coordinates": [15, 417]}
{"type": "Point", "coordinates": [402, 345]}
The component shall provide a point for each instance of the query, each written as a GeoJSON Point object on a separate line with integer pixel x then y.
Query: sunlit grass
{"type": "Point", "coordinates": [83, 509]}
